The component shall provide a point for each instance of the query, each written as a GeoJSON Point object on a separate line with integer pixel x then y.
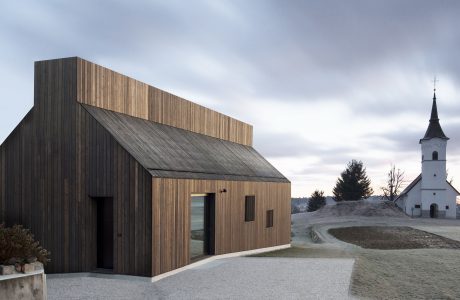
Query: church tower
{"type": "Point", "coordinates": [434, 185]}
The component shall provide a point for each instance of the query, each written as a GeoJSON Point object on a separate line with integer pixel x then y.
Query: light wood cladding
{"type": "Point", "coordinates": [104, 88]}
{"type": "Point", "coordinates": [171, 218]}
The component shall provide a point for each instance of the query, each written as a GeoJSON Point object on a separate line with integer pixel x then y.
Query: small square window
{"type": "Point", "coordinates": [447, 206]}
{"type": "Point", "coordinates": [249, 208]}
{"type": "Point", "coordinates": [417, 205]}
{"type": "Point", "coordinates": [269, 218]}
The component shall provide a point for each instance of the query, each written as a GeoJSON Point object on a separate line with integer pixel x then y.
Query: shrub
{"type": "Point", "coordinates": [17, 245]}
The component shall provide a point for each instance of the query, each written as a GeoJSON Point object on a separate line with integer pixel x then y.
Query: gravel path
{"type": "Point", "coordinates": [233, 278]}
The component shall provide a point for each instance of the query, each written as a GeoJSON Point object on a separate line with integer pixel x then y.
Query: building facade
{"type": "Point", "coordinates": [430, 194]}
{"type": "Point", "coordinates": [111, 173]}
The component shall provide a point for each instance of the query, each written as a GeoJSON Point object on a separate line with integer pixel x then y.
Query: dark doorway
{"type": "Point", "coordinates": [202, 223]}
{"type": "Point", "coordinates": [433, 210]}
{"type": "Point", "coordinates": [104, 232]}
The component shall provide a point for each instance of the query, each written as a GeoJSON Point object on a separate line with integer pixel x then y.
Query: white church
{"type": "Point", "coordinates": [430, 194]}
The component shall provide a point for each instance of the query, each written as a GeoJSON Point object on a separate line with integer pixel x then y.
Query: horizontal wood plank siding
{"type": "Point", "coordinates": [104, 88]}
{"type": "Point", "coordinates": [171, 215]}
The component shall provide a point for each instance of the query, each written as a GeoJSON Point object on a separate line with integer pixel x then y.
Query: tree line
{"type": "Point", "coordinates": [354, 184]}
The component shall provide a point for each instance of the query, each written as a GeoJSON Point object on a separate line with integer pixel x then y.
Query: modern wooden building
{"type": "Point", "coordinates": [111, 173]}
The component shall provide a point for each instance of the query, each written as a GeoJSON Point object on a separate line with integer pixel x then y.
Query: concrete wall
{"type": "Point", "coordinates": [23, 286]}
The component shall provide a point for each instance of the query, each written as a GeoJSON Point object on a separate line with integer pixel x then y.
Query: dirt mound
{"type": "Point", "coordinates": [361, 208]}
{"type": "Point", "coordinates": [391, 238]}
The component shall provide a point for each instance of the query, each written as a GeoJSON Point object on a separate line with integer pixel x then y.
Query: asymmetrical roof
{"type": "Point", "coordinates": [434, 128]}
{"type": "Point", "coordinates": [171, 152]}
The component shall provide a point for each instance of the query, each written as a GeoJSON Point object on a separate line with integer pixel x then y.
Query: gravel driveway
{"type": "Point", "coordinates": [232, 278]}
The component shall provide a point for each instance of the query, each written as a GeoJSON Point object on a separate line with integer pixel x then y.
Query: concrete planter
{"type": "Point", "coordinates": [30, 285]}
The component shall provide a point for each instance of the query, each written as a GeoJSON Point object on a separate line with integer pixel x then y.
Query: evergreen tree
{"type": "Point", "coordinates": [353, 183]}
{"type": "Point", "coordinates": [317, 200]}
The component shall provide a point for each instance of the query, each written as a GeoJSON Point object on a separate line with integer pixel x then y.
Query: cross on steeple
{"type": "Point", "coordinates": [434, 83]}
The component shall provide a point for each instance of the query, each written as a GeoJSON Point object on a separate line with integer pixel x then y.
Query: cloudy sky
{"type": "Point", "coordinates": [323, 82]}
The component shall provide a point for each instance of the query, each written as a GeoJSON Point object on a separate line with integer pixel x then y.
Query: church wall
{"type": "Point", "coordinates": [434, 197]}
{"type": "Point", "coordinates": [434, 171]}
{"type": "Point", "coordinates": [452, 202]}
{"type": "Point", "coordinates": [412, 199]}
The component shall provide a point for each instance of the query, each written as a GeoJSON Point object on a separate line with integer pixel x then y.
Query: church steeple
{"type": "Point", "coordinates": [434, 128]}
{"type": "Point", "coordinates": [434, 109]}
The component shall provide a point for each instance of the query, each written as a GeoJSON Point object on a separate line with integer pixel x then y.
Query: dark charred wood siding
{"type": "Point", "coordinates": [55, 161]}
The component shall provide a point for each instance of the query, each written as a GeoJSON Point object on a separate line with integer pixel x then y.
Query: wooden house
{"type": "Point", "coordinates": [111, 173]}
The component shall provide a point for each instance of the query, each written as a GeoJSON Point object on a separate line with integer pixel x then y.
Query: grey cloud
{"type": "Point", "coordinates": [301, 51]}
{"type": "Point", "coordinates": [291, 145]}
{"type": "Point", "coordinates": [358, 52]}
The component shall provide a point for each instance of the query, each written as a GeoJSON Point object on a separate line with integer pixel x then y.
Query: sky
{"type": "Point", "coordinates": [322, 82]}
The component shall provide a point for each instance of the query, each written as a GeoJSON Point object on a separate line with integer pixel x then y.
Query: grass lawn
{"type": "Point", "coordinates": [394, 274]}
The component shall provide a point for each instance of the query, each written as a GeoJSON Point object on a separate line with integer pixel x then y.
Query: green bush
{"type": "Point", "coordinates": [17, 245]}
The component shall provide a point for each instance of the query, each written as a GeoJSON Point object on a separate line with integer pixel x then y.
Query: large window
{"type": "Point", "coordinates": [250, 208]}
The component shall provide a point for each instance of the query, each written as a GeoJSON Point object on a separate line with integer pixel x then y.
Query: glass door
{"type": "Point", "coordinates": [202, 210]}
{"type": "Point", "coordinates": [197, 229]}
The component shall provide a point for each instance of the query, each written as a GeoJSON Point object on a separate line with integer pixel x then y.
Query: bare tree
{"type": "Point", "coordinates": [394, 183]}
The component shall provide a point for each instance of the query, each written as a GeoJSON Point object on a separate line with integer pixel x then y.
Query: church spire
{"type": "Point", "coordinates": [434, 109]}
{"type": "Point", "coordinates": [434, 128]}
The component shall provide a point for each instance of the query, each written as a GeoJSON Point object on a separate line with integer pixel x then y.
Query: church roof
{"type": "Point", "coordinates": [410, 186]}
{"type": "Point", "coordinates": [434, 128]}
{"type": "Point", "coordinates": [414, 182]}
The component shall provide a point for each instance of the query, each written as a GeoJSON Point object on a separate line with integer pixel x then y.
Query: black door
{"type": "Point", "coordinates": [209, 221]}
{"type": "Point", "coordinates": [433, 210]}
{"type": "Point", "coordinates": [104, 233]}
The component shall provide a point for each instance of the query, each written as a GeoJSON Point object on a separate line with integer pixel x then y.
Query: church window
{"type": "Point", "coordinates": [417, 205]}
{"type": "Point", "coordinates": [435, 155]}
{"type": "Point", "coordinates": [447, 206]}
{"type": "Point", "coordinates": [434, 193]}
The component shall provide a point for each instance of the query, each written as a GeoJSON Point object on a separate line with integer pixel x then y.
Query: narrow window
{"type": "Point", "coordinates": [447, 206]}
{"type": "Point", "coordinates": [250, 208]}
{"type": "Point", "coordinates": [435, 155]}
{"type": "Point", "coordinates": [269, 218]}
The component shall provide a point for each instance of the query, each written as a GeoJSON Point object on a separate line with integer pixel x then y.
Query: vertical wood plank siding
{"type": "Point", "coordinates": [104, 88]}
{"type": "Point", "coordinates": [59, 157]}
{"type": "Point", "coordinates": [171, 218]}
{"type": "Point", "coordinates": [51, 165]}
{"type": "Point", "coordinates": [2, 184]}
